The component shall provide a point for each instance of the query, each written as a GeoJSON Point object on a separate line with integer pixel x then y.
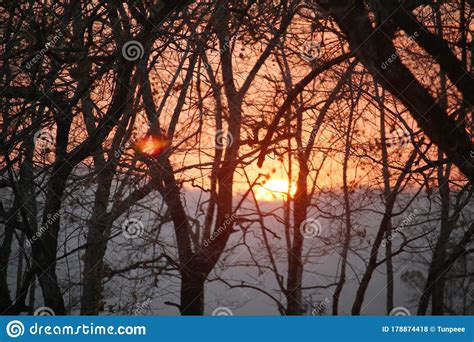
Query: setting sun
{"type": "Point", "coordinates": [151, 145]}
{"type": "Point", "coordinates": [275, 189]}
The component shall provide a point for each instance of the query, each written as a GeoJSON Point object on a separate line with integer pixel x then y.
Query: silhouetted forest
{"type": "Point", "coordinates": [279, 157]}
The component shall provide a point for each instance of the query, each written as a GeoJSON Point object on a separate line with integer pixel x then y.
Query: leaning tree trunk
{"type": "Point", "coordinates": [373, 47]}
{"type": "Point", "coordinates": [436, 280]}
{"type": "Point", "coordinates": [385, 225]}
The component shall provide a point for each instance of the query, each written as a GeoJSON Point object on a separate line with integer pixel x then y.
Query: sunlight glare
{"type": "Point", "coordinates": [152, 146]}
{"type": "Point", "coordinates": [275, 189]}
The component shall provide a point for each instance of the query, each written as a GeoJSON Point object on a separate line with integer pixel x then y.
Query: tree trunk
{"type": "Point", "coordinates": [347, 209]}
{"type": "Point", "coordinates": [295, 264]}
{"type": "Point", "coordinates": [99, 224]}
{"type": "Point", "coordinates": [435, 282]}
{"type": "Point", "coordinates": [364, 284]}
{"type": "Point", "coordinates": [5, 251]}
{"type": "Point", "coordinates": [386, 192]}
{"type": "Point", "coordinates": [44, 251]}
{"type": "Point", "coordinates": [385, 225]}
{"type": "Point", "coordinates": [94, 267]}
{"type": "Point", "coordinates": [374, 48]}
{"type": "Point", "coordinates": [192, 295]}
{"type": "Point", "coordinates": [436, 276]}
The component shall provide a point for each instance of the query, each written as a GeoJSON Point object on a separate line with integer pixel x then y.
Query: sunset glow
{"type": "Point", "coordinates": [303, 159]}
{"type": "Point", "coordinates": [275, 189]}
{"type": "Point", "coordinates": [152, 146]}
